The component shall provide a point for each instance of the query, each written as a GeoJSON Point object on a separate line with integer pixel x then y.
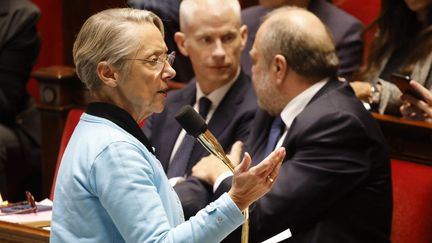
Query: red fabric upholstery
{"type": "Point", "coordinates": [412, 196]}
{"type": "Point", "coordinates": [71, 122]}
{"type": "Point", "coordinates": [364, 10]}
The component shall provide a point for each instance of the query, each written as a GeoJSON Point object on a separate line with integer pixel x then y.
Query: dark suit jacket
{"type": "Point", "coordinates": [230, 122]}
{"type": "Point", "coordinates": [19, 48]}
{"type": "Point", "coordinates": [19, 148]}
{"type": "Point", "coordinates": [345, 28]}
{"type": "Point", "coordinates": [335, 182]}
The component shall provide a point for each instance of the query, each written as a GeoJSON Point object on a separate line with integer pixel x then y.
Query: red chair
{"type": "Point", "coordinates": [364, 10]}
{"type": "Point", "coordinates": [412, 197]}
{"type": "Point", "coordinates": [71, 122]}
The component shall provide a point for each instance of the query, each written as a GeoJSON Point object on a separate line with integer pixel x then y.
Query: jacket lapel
{"type": "Point", "coordinates": [330, 85]}
{"type": "Point", "coordinates": [187, 97]}
{"type": "Point", "coordinates": [227, 107]}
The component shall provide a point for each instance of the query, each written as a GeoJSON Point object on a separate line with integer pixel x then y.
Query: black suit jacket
{"type": "Point", "coordinates": [345, 28]}
{"type": "Point", "coordinates": [335, 182]}
{"type": "Point", "coordinates": [19, 48]}
{"type": "Point", "coordinates": [230, 122]}
{"type": "Point", "coordinates": [19, 141]}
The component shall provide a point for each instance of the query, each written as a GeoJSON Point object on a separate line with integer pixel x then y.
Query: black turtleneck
{"type": "Point", "coordinates": [120, 117]}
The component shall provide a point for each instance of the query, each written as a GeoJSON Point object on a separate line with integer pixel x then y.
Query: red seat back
{"type": "Point", "coordinates": [71, 122]}
{"type": "Point", "coordinates": [412, 196]}
{"type": "Point", "coordinates": [364, 10]}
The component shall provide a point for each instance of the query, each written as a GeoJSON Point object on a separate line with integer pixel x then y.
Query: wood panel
{"type": "Point", "coordinates": [17, 233]}
{"type": "Point", "coordinates": [408, 140]}
{"type": "Point", "coordinates": [75, 13]}
{"type": "Point", "coordinates": [60, 91]}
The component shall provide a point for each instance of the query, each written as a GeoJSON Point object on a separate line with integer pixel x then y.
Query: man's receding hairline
{"type": "Point", "coordinates": [195, 5]}
{"type": "Point", "coordinates": [279, 15]}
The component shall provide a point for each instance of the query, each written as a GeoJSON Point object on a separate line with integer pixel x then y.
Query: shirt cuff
{"type": "Point", "coordinates": [175, 180]}
{"type": "Point", "coordinates": [220, 178]}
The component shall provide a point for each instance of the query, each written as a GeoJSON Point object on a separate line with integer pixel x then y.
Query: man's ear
{"type": "Point", "coordinates": [107, 74]}
{"type": "Point", "coordinates": [279, 68]}
{"type": "Point", "coordinates": [180, 38]}
{"type": "Point", "coordinates": [243, 35]}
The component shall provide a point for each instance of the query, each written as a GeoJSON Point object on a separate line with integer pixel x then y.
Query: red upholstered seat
{"type": "Point", "coordinates": [412, 196]}
{"type": "Point", "coordinates": [364, 10]}
{"type": "Point", "coordinates": [71, 122]}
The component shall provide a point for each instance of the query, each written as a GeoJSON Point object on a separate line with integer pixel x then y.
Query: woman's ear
{"type": "Point", "coordinates": [107, 74]}
{"type": "Point", "coordinates": [280, 68]}
{"type": "Point", "coordinates": [180, 39]}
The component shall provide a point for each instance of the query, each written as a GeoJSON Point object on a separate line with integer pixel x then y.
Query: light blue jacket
{"type": "Point", "coordinates": [110, 188]}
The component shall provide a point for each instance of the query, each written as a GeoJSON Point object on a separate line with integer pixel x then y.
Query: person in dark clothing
{"type": "Point", "coordinates": [19, 146]}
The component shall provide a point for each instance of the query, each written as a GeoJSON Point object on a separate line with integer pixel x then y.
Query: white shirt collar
{"type": "Point", "coordinates": [296, 105]}
{"type": "Point", "coordinates": [216, 96]}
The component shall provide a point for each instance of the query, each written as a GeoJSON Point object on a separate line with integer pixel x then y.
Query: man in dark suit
{"type": "Point", "coordinates": [213, 40]}
{"type": "Point", "coordinates": [346, 30]}
{"type": "Point", "coordinates": [335, 182]}
{"type": "Point", "coordinates": [19, 147]}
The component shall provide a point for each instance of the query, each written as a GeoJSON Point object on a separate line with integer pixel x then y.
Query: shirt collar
{"type": "Point", "coordinates": [121, 118]}
{"type": "Point", "coordinates": [296, 105]}
{"type": "Point", "coordinates": [218, 94]}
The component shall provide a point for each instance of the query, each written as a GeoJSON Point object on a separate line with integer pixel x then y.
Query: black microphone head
{"type": "Point", "coordinates": [191, 121]}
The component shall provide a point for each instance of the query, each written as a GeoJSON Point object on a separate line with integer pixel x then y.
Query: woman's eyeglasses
{"type": "Point", "coordinates": [158, 62]}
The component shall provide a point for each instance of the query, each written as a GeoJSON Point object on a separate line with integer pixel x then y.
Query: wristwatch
{"type": "Point", "coordinates": [375, 94]}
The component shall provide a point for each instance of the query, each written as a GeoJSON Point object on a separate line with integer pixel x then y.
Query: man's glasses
{"type": "Point", "coordinates": [158, 62]}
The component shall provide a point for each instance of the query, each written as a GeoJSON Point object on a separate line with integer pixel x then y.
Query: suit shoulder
{"type": "Point", "coordinates": [245, 90]}
{"type": "Point", "coordinates": [333, 12]}
{"type": "Point", "coordinates": [180, 94]}
{"type": "Point", "coordinates": [23, 7]}
{"type": "Point", "coordinates": [336, 19]}
{"type": "Point", "coordinates": [253, 11]}
{"type": "Point", "coordinates": [340, 104]}
{"type": "Point", "coordinates": [251, 16]}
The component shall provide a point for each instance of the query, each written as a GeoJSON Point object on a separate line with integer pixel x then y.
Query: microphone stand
{"type": "Point", "coordinates": [210, 143]}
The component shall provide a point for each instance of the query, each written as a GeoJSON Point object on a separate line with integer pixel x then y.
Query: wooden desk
{"type": "Point", "coordinates": [408, 140]}
{"type": "Point", "coordinates": [17, 233]}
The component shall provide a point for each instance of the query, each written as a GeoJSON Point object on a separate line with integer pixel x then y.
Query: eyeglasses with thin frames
{"type": "Point", "coordinates": [28, 206]}
{"type": "Point", "coordinates": [158, 62]}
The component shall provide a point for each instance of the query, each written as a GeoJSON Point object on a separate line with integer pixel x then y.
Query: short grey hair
{"type": "Point", "coordinates": [108, 36]}
{"type": "Point", "coordinates": [306, 54]}
{"type": "Point", "coordinates": [189, 7]}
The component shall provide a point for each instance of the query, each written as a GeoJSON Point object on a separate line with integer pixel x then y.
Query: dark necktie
{"type": "Point", "coordinates": [275, 133]}
{"type": "Point", "coordinates": [180, 161]}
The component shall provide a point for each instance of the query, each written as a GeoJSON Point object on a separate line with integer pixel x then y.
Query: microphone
{"type": "Point", "coordinates": [195, 126]}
